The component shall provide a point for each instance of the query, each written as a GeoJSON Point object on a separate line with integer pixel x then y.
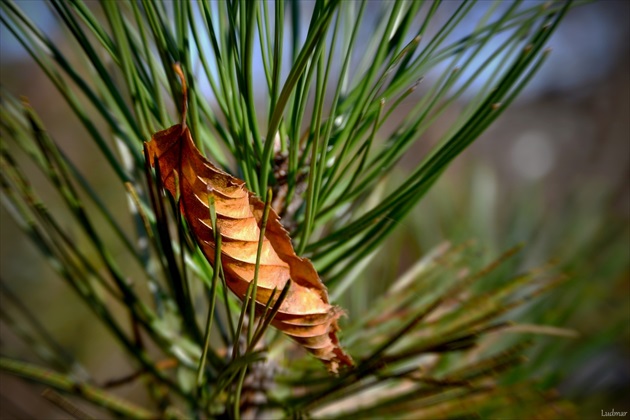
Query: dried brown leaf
{"type": "Point", "coordinates": [306, 314]}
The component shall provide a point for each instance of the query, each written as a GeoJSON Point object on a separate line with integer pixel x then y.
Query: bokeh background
{"type": "Point", "coordinates": [553, 173]}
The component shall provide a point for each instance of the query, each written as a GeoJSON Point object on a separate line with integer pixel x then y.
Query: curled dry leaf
{"type": "Point", "coordinates": [305, 315]}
